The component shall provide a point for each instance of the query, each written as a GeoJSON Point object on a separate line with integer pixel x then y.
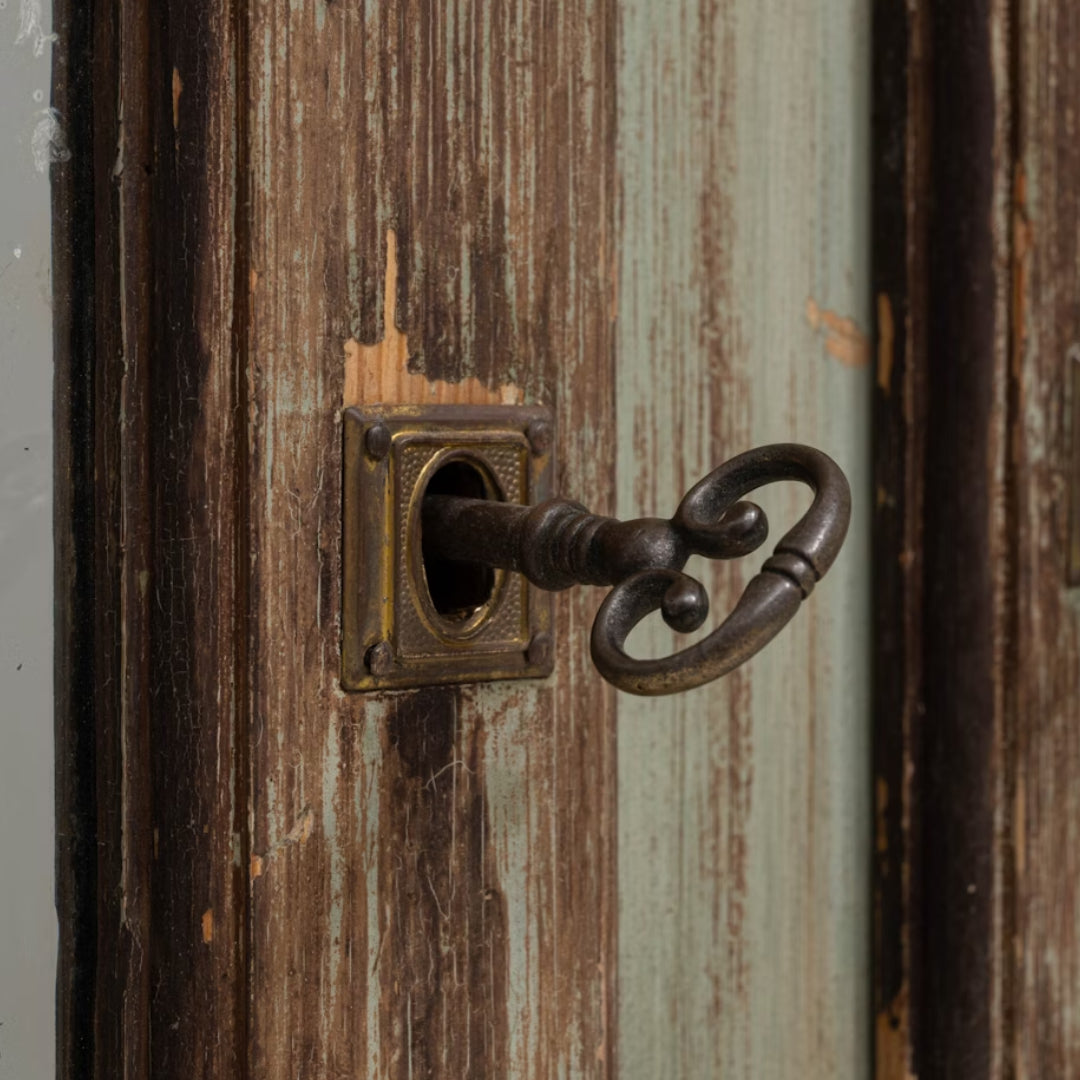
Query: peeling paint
{"type": "Point", "coordinates": [380, 372]}
{"type": "Point", "coordinates": [843, 338]}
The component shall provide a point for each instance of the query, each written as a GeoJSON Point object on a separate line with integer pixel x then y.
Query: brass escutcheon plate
{"type": "Point", "coordinates": [394, 633]}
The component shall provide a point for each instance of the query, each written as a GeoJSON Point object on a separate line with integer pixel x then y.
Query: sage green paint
{"type": "Point", "coordinates": [744, 808]}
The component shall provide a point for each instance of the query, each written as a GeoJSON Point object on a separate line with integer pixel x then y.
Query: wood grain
{"type": "Point", "coordinates": [945, 543]}
{"type": "Point", "coordinates": [148, 768]}
{"type": "Point", "coordinates": [966, 666]}
{"type": "Point", "coordinates": [977, 916]}
{"type": "Point", "coordinates": [1045, 808]}
{"type": "Point", "coordinates": [901, 187]}
{"type": "Point", "coordinates": [449, 912]}
{"type": "Point", "coordinates": [743, 910]}
{"type": "Point", "coordinates": [325, 204]}
{"type": "Point", "coordinates": [380, 372]}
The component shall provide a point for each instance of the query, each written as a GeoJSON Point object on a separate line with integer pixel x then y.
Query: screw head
{"type": "Point", "coordinates": [538, 654]}
{"type": "Point", "coordinates": [379, 659]}
{"type": "Point", "coordinates": [377, 441]}
{"type": "Point", "coordinates": [540, 436]}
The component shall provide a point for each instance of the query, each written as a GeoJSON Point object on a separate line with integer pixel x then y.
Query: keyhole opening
{"type": "Point", "coordinates": [458, 590]}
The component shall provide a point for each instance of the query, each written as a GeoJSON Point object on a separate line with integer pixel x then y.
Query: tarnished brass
{"type": "Point", "coordinates": [394, 634]}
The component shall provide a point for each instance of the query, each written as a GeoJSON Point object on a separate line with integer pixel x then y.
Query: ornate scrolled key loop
{"type": "Point", "coordinates": [559, 543]}
{"type": "Point", "coordinates": [771, 598]}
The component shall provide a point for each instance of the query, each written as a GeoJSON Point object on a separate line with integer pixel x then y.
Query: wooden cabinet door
{"type": "Point", "coordinates": [652, 218]}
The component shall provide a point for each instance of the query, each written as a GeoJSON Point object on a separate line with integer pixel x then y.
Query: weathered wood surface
{"type": "Point", "coordinates": [945, 528]}
{"type": "Point", "coordinates": [151, 791]}
{"type": "Point", "coordinates": [977, 263]}
{"type": "Point", "coordinates": [743, 315]}
{"type": "Point", "coordinates": [433, 887]}
{"type": "Point", "coordinates": [323, 204]}
{"type": "Point", "coordinates": [1045, 439]}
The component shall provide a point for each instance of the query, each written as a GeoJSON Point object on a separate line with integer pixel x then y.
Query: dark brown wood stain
{"type": "Point", "coordinates": [900, 195]}
{"type": "Point", "coordinates": [444, 961]}
{"type": "Point", "coordinates": [196, 718]}
{"type": "Point", "coordinates": [943, 545]}
{"type": "Point", "coordinates": [977, 956]}
{"type": "Point", "coordinates": [73, 204]}
{"type": "Point", "coordinates": [483, 136]}
{"type": "Point", "coordinates": [145, 371]}
{"type": "Point", "coordinates": [1045, 811]}
{"type": "Point", "coordinates": [964, 557]}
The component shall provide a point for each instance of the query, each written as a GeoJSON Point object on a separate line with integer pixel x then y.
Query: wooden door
{"type": "Point", "coordinates": [653, 218]}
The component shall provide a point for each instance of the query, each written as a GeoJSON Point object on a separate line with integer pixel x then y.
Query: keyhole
{"type": "Point", "coordinates": [457, 590]}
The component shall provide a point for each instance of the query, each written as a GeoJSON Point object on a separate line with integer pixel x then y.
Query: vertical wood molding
{"type": "Point", "coordinates": [434, 879]}
{"type": "Point", "coordinates": [73, 196]}
{"type": "Point", "coordinates": [1044, 811]}
{"type": "Point", "coordinates": [977, 630]}
{"type": "Point", "coordinates": [944, 540]}
{"type": "Point", "coordinates": [743, 318]}
{"type": "Point", "coordinates": [149, 768]}
{"type": "Point", "coordinates": [968, 670]}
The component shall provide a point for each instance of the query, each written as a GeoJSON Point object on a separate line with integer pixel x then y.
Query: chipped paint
{"type": "Point", "coordinates": [48, 143]}
{"type": "Point", "coordinates": [892, 1041]}
{"type": "Point", "coordinates": [380, 372]}
{"type": "Point", "coordinates": [32, 27]}
{"type": "Point", "coordinates": [843, 338]}
{"type": "Point", "coordinates": [300, 833]}
{"type": "Point", "coordinates": [208, 926]}
{"type": "Point", "coordinates": [455, 919]}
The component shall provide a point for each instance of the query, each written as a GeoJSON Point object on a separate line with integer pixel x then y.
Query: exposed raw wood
{"type": "Point", "coordinates": [380, 372]}
{"type": "Point", "coordinates": [1045, 809]}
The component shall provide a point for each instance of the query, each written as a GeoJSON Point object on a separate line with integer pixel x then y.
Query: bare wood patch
{"type": "Point", "coordinates": [843, 338]}
{"type": "Point", "coordinates": [380, 372]}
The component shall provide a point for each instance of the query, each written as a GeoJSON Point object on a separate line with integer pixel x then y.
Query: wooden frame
{"type": "Point", "coordinates": [975, 678]}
